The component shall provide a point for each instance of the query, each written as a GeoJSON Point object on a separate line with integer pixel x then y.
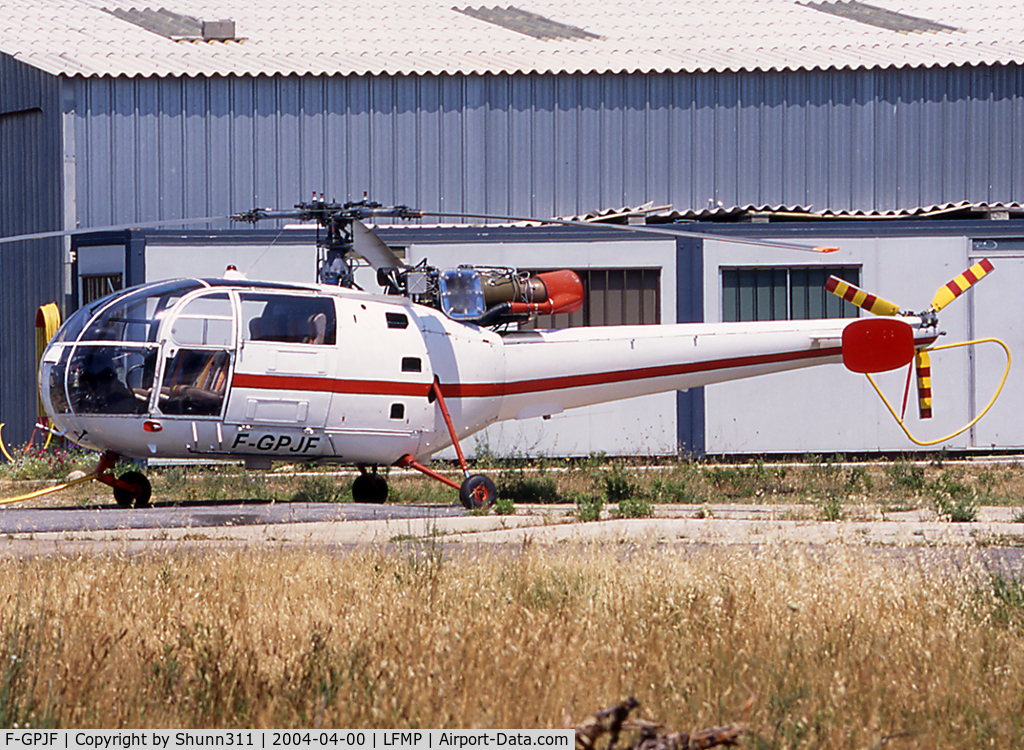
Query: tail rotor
{"type": "Point", "coordinates": [870, 349]}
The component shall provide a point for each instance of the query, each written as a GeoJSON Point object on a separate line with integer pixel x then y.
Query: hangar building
{"type": "Point", "coordinates": [891, 128]}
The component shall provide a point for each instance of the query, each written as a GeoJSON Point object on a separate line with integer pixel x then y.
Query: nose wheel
{"type": "Point", "coordinates": [132, 489]}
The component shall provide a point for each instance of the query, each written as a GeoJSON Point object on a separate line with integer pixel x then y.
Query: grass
{"type": "Point", "coordinates": [952, 492]}
{"type": "Point", "coordinates": [840, 650]}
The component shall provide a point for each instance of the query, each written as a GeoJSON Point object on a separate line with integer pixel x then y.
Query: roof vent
{"type": "Point", "coordinates": [883, 18]}
{"type": "Point", "coordinates": [524, 22]}
{"type": "Point", "coordinates": [175, 26]}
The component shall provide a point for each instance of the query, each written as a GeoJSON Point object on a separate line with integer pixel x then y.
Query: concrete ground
{"type": "Point", "coordinates": [539, 525]}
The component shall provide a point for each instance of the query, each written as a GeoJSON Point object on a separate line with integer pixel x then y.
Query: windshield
{"type": "Point", "coordinates": [135, 316]}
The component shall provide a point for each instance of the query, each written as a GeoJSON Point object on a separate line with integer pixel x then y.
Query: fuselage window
{"type": "Point", "coordinates": [412, 364]}
{"type": "Point", "coordinates": [196, 374]}
{"type": "Point", "coordinates": [292, 319]}
{"type": "Point", "coordinates": [195, 382]}
{"type": "Point", "coordinates": [205, 321]}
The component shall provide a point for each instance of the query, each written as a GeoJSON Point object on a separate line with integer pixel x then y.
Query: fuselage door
{"type": "Point", "coordinates": [286, 355]}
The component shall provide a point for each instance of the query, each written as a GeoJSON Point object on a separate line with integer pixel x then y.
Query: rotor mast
{"type": "Point", "coordinates": [336, 249]}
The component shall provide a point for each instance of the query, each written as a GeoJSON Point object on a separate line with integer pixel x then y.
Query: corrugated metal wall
{"type": "Point", "coordinates": [548, 144]}
{"type": "Point", "coordinates": [30, 201]}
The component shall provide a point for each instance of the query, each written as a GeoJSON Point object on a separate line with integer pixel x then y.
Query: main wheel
{"type": "Point", "coordinates": [370, 488]}
{"type": "Point", "coordinates": [478, 492]}
{"type": "Point", "coordinates": [140, 493]}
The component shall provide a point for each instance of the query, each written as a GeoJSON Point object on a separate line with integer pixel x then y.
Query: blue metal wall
{"type": "Point", "coordinates": [30, 201]}
{"type": "Point", "coordinates": [549, 144]}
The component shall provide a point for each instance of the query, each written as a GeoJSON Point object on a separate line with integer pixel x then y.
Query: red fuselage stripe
{"type": "Point", "coordinates": [495, 390]}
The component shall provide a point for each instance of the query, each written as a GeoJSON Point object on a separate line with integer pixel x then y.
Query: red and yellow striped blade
{"type": "Point", "coordinates": [860, 298]}
{"type": "Point", "coordinates": [923, 365]}
{"type": "Point", "coordinates": [961, 284]}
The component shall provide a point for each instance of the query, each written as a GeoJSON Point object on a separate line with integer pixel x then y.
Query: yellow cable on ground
{"type": "Point", "coordinates": [48, 490]}
{"type": "Point", "coordinates": [4, 447]}
{"type": "Point", "coordinates": [970, 424]}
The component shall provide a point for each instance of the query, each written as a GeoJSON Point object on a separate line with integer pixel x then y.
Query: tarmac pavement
{"type": "Point", "coordinates": [348, 526]}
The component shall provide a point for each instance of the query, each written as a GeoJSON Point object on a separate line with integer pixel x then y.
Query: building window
{"type": "Point", "coordinates": [785, 293]}
{"type": "Point", "coordinates": [96, 285]}
{"type": "Point", "coordinates": [611, 297]}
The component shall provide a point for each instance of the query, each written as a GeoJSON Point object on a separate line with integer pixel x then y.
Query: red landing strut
{"type": "Point", "coordinates": [476, 491]}
{"type": "Point", "coordinates": [412, 463]}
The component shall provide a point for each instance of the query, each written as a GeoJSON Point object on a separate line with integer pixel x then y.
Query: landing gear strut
{"type": "Point", "coordinates": [477, 491]}
{"type": "Point", "coordinates": [369, 487]}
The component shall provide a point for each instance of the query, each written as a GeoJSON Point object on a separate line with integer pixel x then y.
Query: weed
{"type": "Point", "coordinates": [1007, 599]}
{"type": "Point", "coordinates": [504, 506]}
{"type": "Point", "coordinates": [588, 507]}
{"type": "Point", "coordinates": [830, 507]}
{"type": "Point", "coordinates": [399, 637]}
{"type": "Point", "coordinates": [319, 489]}
{"type": "Point", "coordinates": [54, 463]}
{"type": "Point", "coordinates": [617, 484]}
{"type": "Point", "coordinates": [954, 499]}
{"type": "Point", "coordinates": [532, 487]}
{"type": "Point", "coordinates": [859, 480]}
{"type": "Point", "coordinates": [1019, 518]}
{"type": "Point", "coordinates": [636, 506]}
{"type": "Point", "coordinates": [687, 488]}
{"type": "Point", "coordinates": [905, 476]}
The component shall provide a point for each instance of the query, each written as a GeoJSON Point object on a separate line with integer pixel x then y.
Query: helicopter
{"type": "Point", "coordinates": [262, 372]}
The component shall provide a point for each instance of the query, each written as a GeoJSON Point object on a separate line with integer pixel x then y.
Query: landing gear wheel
{"type": "Point", "coordinates": [138, 496]}
{"type": "Point", "coordinates": [370, 488]}
{"type": "Point", "coordinates": [478, 491]}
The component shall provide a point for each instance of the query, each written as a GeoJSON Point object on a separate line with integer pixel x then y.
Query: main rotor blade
{"type": "Point", "coordinates": [109, 228]}
{"type": "Point", "coordinates": [368, 245]}
{"type": "Point", "coordinates": [860, 298]}
{"type": "Point", "coordinates": [635, 228]}
{"type": "Point", "coordinates": [961, 284]}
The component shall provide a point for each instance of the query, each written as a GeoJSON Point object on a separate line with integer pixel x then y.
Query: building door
{"type": "Point", "coordinates": [995, 315]}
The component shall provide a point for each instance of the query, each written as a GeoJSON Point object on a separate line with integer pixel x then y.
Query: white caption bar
{"type": "Point", "coordinates": [286, 739]}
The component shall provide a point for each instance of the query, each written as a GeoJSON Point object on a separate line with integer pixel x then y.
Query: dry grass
{"type": "Point", "coordinates": [841, 650]}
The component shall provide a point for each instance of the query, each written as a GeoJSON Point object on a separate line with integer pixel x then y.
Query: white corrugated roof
{"type": "Point", "coordinates": [77, 37]}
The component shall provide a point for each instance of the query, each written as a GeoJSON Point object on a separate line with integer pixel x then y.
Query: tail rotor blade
{"type": "Point", "coordinates": [923, 366]}
{"type": "Point", "coordinates": [860, 298]}
{"type": "Point", "coordinates": [961, 284]}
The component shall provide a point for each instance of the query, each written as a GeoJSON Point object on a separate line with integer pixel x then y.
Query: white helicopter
{"type": "Point", "coordinates": [229, 368]}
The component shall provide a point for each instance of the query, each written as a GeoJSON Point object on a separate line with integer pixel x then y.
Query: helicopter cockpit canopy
{"type": "Point", "coordinates": [167, 347]}
{"type": "Point", "coordinates": [109, 360]}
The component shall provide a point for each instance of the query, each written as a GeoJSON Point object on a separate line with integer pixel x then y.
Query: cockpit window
{"type": "Point", "coordinates": [292, 319]}
{"type": "Point", "coordinates": [137, 315]}
{"type": "Point", "coordinates": [111, 379]}
{"type": "Point", "coordinates": [74, 324]}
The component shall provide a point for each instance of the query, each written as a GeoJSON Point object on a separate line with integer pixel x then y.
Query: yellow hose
{"type": "Point", "coordinates": [970, 424]}
{"type": "Point", "coordinates": [48, 490]}
{"type": "Point", "coordinates": [4, 447]}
